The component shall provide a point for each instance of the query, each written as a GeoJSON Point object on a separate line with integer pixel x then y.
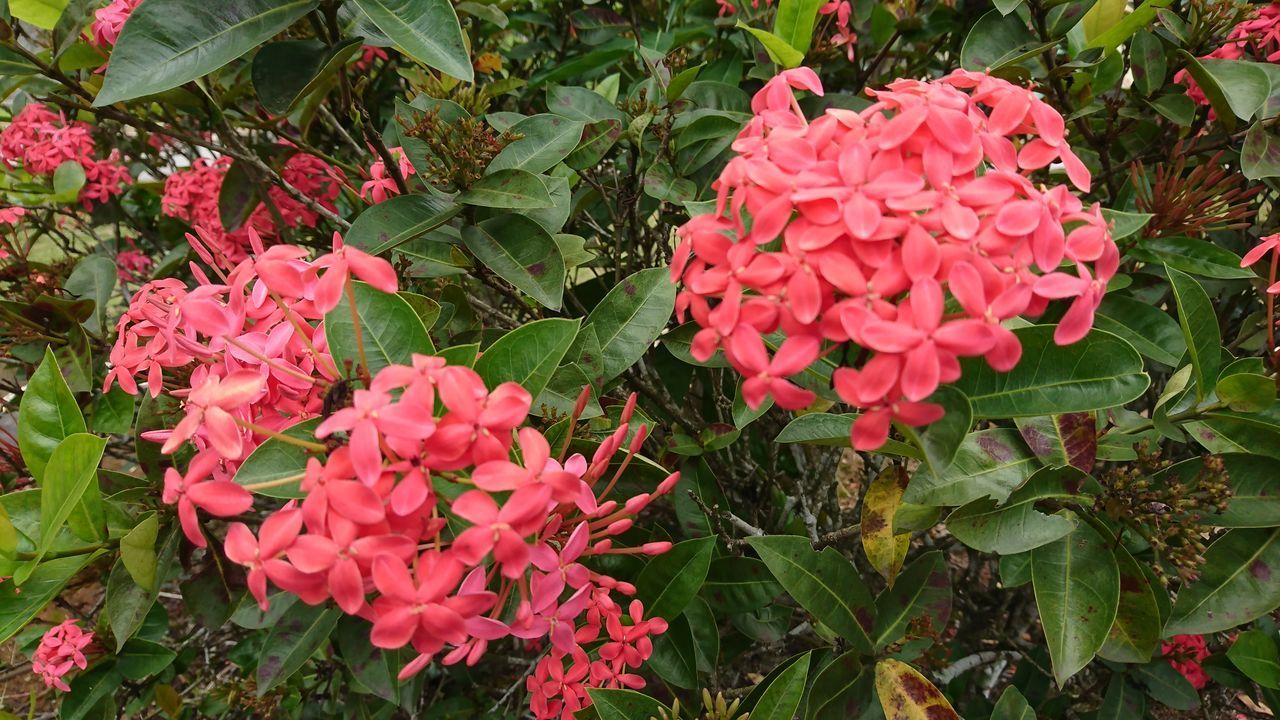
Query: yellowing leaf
{"type": "Point", "coordinates": [1104, 14]}
{"type": "Point", "coordinates": [906, 695]}
{"type": "Point", "coordinates": [885, 550]}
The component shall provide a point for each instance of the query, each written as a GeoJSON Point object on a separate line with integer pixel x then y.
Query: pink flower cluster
{"type": "Point", "coordinates": [728, 8]}
{"type": "Point", "coordinates": [1185, 653]}
{"type": "Point", "coordinates": [380, 184]}
{"type": "Point", "coordinates": [109, 21]}
{"type": "Point", "coordinates": [192, 195]}
{"type": "Point", "coordinates": [846, 233]}
{"type": "Point", "coordinates": [433, 511]}
{"type": "Point", "coordinates": [1257, 38]}
{"type": "Point", "coordinates": [61, 649]}
{"type": "Point", "coordinates": [844, 34]}
{"type": "Point", "coordinates": [41, 140]}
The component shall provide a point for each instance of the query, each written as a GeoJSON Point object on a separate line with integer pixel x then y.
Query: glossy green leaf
{"type": "Point", "coordinates": [1012, 706]}
{"type": "Point", "coordinates": [285, 72]}
{"type": "Point", "coordinates": [1245, 85]}
{"type": "Point", "coordinates": [521, 252]}
{"type": "Point", "coordinates": [1148, 62]}
{"type": "Point", "coordinates": [1199, 329]}
{"type": "Point", "coordinates": [1247, 392]}
{"type": "Point", "coordinates": [1077, 588]}
{"type": "Point", "coordinates": [824, 583]}
{"type": "Point", "coordinates": [1135, 634]}
{"type": "Point", "coordinates": [841, 689]}
{"type": "Point", "coordinates": [394, 222]}
{"type": "Point", "coordinates": [1017, 526]}
{"type": "Point", "coordinates": [781, 698]}
{"type": "Point", "coordinates": [140, 659]}
{"type": "Point", "coordinates": [292, 640]}
{"type": "Point", "coordinates": [1099, 371]}
{"type": "Point", "coordinates": [127, 603]}
{"type": "Point", "coordinates": [670, 580]}
{"type": "Point", "coordinates": [138, 552]}
{"type": "Point", "coordinates": [922, 595]}
{"type": "Point", "coordinates": [624, 704]}
{"type": "Point", "coordinates": [274, 460]}
{"type": "Point", "coordinates": [390, 331]}
{"type": "Point", "coordinates": [1255, 653]}
{"type": "Point", "coordinates": [19, 605]}
{"type": "Point", "coordinates": [631, 316]}
{"type": "Point", "coordinates": [166, 44]}
{"type": "Point", "coordinates": [508, 189]}
{"type": "Point", "coordinates": [546, 139]}
{"type": "Point", "coordinates": [1122, 701]}
{"type": "Point", "coordinates": [94, 278]}
{"type": "Point", "coordinates": [780, 51]}
{"type": "Point", "coordinates": [674, 658]}
{"type": "Point", "coordinates": [70, 494]}
{"type": "Point", "coordinates": [1150, 330]}
{"type": "Point", "coordinates": [990, 463]}
{"type": "Point", "coordinates": [991, 38]}
{"type": "Point", "coordinates": [1227, 431]}
{"type": "Point", "coordinates": [1260, 153]}
{"type": "Point", "coordinates": [1255, 490]}
{"type": "Point", "coordinates": [528, 355]}
{"type": "Point", "coordinates": [426, 30]}
{"type": "Point", "coordinates": [89, 689]}
{"type": "Point", "coordinates": [1167, 686]}
{"type": "Point", "coordinates": [940, 441]}
{"type": "Point", "coordinates": [739, 584]}
{"type": "Point", "coordinates": [47, 413]}
{"type": "Point", "coordinates": [794, 22]}
{"type": "Point", "coordinates": [1197, 257]}
{"type": "Point", "coordinates": [833, 430]}
{"type": "Point", "coordinates": [1239, 581]}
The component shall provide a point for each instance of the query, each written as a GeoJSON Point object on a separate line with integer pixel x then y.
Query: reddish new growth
{"type": "Point", "coordinates": [41, 140]}
{"type": "Point", "coordinates": [1185, 653]}
{"type": "Point", "coordinates": [61, 649]}
{"type": "Point", "coordinates": [429, 509]}
{"type": "Point", "coordinates": [1257, 38]}
{"type": "Point", "coordinates": [849, 231]}
{"type": "Point", "coordinates": [192, 195]}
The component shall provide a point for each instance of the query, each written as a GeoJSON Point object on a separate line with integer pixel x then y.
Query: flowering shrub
{"type": "Point", "coordinates": [679, 359]}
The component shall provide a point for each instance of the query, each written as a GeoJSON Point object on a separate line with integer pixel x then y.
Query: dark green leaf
{"type": "Point", "coordinates": [1017, 526]}
{"type": "Point", "coordinates": [781, 697]}
{"type": "Point", "coordinates": [529, 354]}
{"type": "Point", "coordinates": [625, 705]}
{"type": "Point", "coordinates": [89, 689]}
{"type": "Point", "coordinates": [303, 630]}
{"type": "Point", "coordinates": [1077, 587]}
{"type": "Point", "coordinates": [166, 44]}
{"type": "Point", "coordinates": [390, 331]}
{"type": "Point", "coordinates": [276, 459]}
{"type": "Point", "coordinates": [1167, 686]}
{"type": "Point", "coordinates": [1150, 330]}
{"type": "Point", "coordinates": [140, 659]}
{"type": "Point", "coordinates": [630, 318]}
{"type": "Point", "coordinates": [990, 463]}
{"type": "Point", "coordinates": [522, 253]}
{"type": "Point", "coordinates": [510, 188]}
{"type": "Point", "coordinates": [1239, 581]}
{"type": "Point", "coordinates": [922, 594]}
{"type": "Point", "coordinates": [1199, 329]}
{"type": "Point", "coordinates": [426, 30]}
{"type": "Point", "coordinates": [1012, 706]}
{"type": "Point", "coordinates": [842, 689]}
{"type": "Point", "coordinates": [396, 221]}
{"type": "Point", "coordinates": [95, 279]}
{"type": "Point", "coordinates": [1123, 701]}
{"type": "Point", "coordinates": [1260, 154]}
{"type": "Point", "coordinates": [993, 37]}
{"type": "Point", "coordinates": [19, 605]}
{"type": "Point", "coordinates": [1198, 257]}
{"type": "Point", "coordinates": [940, 441]}
{"type": "Point", "coordinates": [47, 413]}
{"type": "Point", "coordinates": [670, 580]}
{"type": "Point", "coordinates": [674, 658]}
{"type": "Point", "coordinates": [1135, 634]}
{"type": "Point", "coordinates": [546, 140]}
{"type": "Point", "coordinates": [739, 584]}
{"type": "Point", "coordinates": [285, 72]}
{"type": "Point", "coordinates": [1147, 61]}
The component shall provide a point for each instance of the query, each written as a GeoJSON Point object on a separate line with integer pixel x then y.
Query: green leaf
{"type": "Point", "coordinates": [1189, 255]}
{"type": "Point", "coordinates": [276, 459]}
{"type": "Point", "coordinates": [597, 139]}
{"type": "Point", "coordinates": [140, 659]}
{"type": "Point", "coordinates": [44, 14]}
{"type": "Point", "coordinates": [547, 139]}
{"type": "Point", "coordinates": [941, 440]}
{"type": "Point", "coordinates": [1255, 653]}
{"type": "Point", "coordinates": [1121, 31]}
{"type": "Point", "coordinates": [1017, 526]}
{"type": "Point", "coordinates": [510, 188]}
{"type": "Point", "coordinates": [1255, 490]}
{"type": "Point", "coordinates": [1012, 706]}
{"type": "Point", "coordinates": [631, 316]}
{"type": "Point", "coordinates": [794, 22]}
{"type": "Point", "coordinates": [521, 252]}
{"type": "Point", "coordinates": [528, 355]}
{"type": "Point", "coordinates": [1199, 329]}
{"type": "Point", "coordinates": [1247, 392]}
{"type": "Point", "coordinates": [1150, 330]}
{"type": "Point", "coordinates": [1135, 634]}
{"type": "Point", "coordinates": [47, 413]}
{"type": "Point", "coordinates": [1227, 431]}
{"type": "Point", "coordinates": [426, 30]}
{"type": "Point", "coordinates": [94, 279]}
{"type": "Point", "coordinates": [292, 640]}
{"type": "Point", "coordinates": [19, 605]}
{"type": "Point", "coordinates": [905, 694]}
{"type": "Point", "coordinates": [674, 658]}
{"type": "Point", "coordinates": [396, 221]}
{"type": "Point", "coordinates": [1239, 581]}
{"type": "Point", "coordinates": [780, 51]}
{"type": "Point", "coordinates": [1099, 371]}
{"type": "Point", "coordinates": [89, 689]}
{"type": "Point", "coordinates": [833, 430]}
{"type": "Point", "coordinates": [69, 494]}
{"type": "Point", "coordinates": [662, 183]}
{"type": "Point", "coordinates": [138, 552]}
{"type": "Point", "coordinates": [824, 583]}
{"type": "Point", "coordinates": [1123, 701]}
{"type": "Point", "coordinates": [287, 71]}
{"type": "Point", "coordinates": [1167, 686]}
{"type": "Point", "coordinates": [922, 594]}
{"type": "Point", "coordinates": [1148, 62]}
{"type": "Point", "coordinates": [706, 634]}
{"type": "Point", "coordinates": [166, 44]}
{"type": "Point", "coordinates": [127, 603]}
{"type": "Point", "coordinates": [1260, 154]}
{"type": "Point", "coordinates": [990, 463]}
{"type": "Point", "coordinates": [1245, 85]}
{"type": "Point", "coordinates": [625, 705]}
{"type": "Point", "coordinates": [390, 330]}
{"type": "Point", "coordinates": [781, 698]}
{"type": "Point", "coordinates": [739, 584]}
{"type": "Point", "coordinates": [993, 37]}
{"type": "Point", "coordinates": [670, 580]}
{"type": "Point", "coordinates": [1068, 439]}
{"type": "Point", "coordinates": [1077, 587]}
{"type": "Point", "coordinates": [841, 689]}
{"type": "Point", "coordinates": [579, 103]}
{"type": "Point", "coordinates": [238, 196]}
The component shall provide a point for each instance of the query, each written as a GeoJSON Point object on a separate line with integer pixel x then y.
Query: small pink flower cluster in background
{"type": "Point", "coordinates": [380, 184]}
{"type": "Point", "coordinates": [41, 140]}
{"type": "Point", "coordinates": [61, 649]}
{"type": "Point", "coordinates": [109, 21]}
{"type": "Point", "coordinates": [132, 265]}
{"type": "Point", "coordinates": [1185, 653]}
{"type": "Point", "coordinates": [1268, 244]}
{"type": "Point", "coordinates": [420, 444]}
{"type": "Point", "coordinates": [727, 7]}
{"type": "Point", "coordinates": [850, 230]}
{"type": "Point", "coordinates": [1257, 38]}
{"type": "Point", "coordinates": [192, 195]}
{"type": "Point", "coordinates": [368, 54]}
{"type": "Point", "coordinates": [844, 34]}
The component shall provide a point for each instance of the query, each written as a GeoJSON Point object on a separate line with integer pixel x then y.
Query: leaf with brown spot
{"type": "Point", "coordinates": [1067, 439]}
{"type": "Point", "coordinates": [1239, 581]}
{"type": "Point", "coordinates": [885, 550]}
{"type": "Point", "coordinates": [1077, 587]}
{"type": "Point", "coordinates": [906, 695]}
{"type": "Point", "coordinates": [1135, 634]}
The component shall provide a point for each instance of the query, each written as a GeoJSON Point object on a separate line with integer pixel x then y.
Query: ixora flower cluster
{"type": "Point", "coordinates": [430, 509]}
{"type": "Point", "coordinates": [61, 648]}
{"type": "Point", "coordinates": [850, 231]}
{"type": "Point", "coordinates": [192, 195]}
{"type": "Point", "coordinates": [1257, 38]}
{"type": "Point", "coordinates": [41, 140]}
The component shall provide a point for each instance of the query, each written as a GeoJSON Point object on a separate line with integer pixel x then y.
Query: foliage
{"type": "Point", "coordinates": [645, 359]}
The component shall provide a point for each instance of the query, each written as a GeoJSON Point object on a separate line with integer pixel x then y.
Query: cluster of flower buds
{"type": "Point", "coordinates": [192, 195]}
{"type": "Point", "coordinates": [1257, 38]}
{"type": "Point", "coordinates": [381, 185]}
{"type": "Point", "coordinates": [430, 508]}
{"type": "Point", "coordinates": [41, 140]}
{"type": "Point", "coordinates": [61, 648]}
{"type": "Point", "coordinates": [846, 233]}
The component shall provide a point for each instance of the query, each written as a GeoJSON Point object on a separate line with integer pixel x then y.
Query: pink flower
{"type": "Point", "coordinates": [61, 648]}
{"type": "Point", "coordinates": [194, 489]}
{"type": "Point", "coordinates": [109, 21]}
{"type": "Point", "coordinates": [1184, 653]}
{"type": "Point", "coordinates": [500, 530]}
